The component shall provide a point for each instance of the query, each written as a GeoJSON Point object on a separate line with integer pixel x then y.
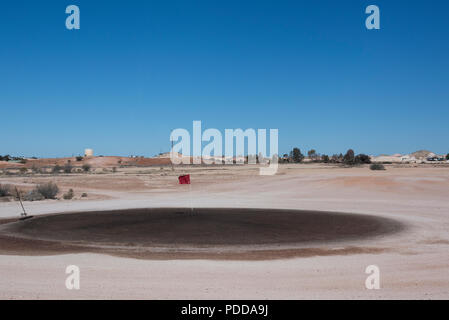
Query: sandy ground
{"type": "Point", "coordinates": [413, 264]}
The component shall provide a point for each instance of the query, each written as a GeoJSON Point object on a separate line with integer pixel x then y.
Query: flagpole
{"type": "Point", "coordinates": [23, 214]}
{"type": "Point", "coordinates": [190, 196]}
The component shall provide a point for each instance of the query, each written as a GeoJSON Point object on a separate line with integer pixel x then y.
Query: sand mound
{"type": "Point", "coordinates": [421, 154]}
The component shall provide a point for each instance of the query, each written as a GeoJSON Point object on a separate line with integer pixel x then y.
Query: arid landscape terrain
{"type": "Point", "coordinates": [309, 231]}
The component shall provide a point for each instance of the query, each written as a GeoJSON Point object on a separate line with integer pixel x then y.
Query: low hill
{"type": "Point", "coordinates": [421, 154]}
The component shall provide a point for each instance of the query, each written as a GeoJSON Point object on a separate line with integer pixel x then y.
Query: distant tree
{"type": "Point", "coordinates": [362, 158]}
{"type": "Point", "coordinates": [349, 157]}
{"type": "Point", "coordinates": [296, 155]}
{"type": "Point", "coordinates": [284, 158]}
{"type": "Point", "coordinates": [312, 154]}
{"type": "Point", "coordinates": [5, 158]}
{"type": "Point", "coordinates": [447, 156]}
{"type": "Point", "coordinates": [325, 158]}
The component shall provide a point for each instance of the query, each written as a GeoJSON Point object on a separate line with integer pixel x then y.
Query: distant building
{"type": "Point", "coordinates": [88, 153]}
{"type": "Point", "coordinates": [385, 158]}
{"type": "Point", "coordinates": [422, 156]}
{"type": "Point", "coordinates": [395, 158]}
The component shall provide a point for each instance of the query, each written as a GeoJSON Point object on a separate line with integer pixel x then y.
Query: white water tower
{"type": "Point", "coordinates": [88, 153]}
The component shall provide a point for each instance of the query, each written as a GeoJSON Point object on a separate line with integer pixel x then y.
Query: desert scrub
{"type": "Point", "coordinates": [377, 166]}
{"type": "Point", "coordinates": [68, 167]}
{"type": "Point", "coordinates": [5, 190]}
{"type": "Point", "coordinates": [69, 195]}
{"type": "Point", "coordinates": [86, 167]}
{"type": "Point", "coordinates": [48, 190]}
{"type": "Point", "coordinates": [33, 195]}
{"type": "Point", "coordinates": [35, 169]}
{"type": "Point", "coordinates": [56, 169]}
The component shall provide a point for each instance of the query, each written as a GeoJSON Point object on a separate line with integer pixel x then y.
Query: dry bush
{"type": "Point", "coordinates": [377, 166]}
{"type": "Point", "coordinates": [35, 169]}
{"type": "Point", "coordinates": [68, 168]}
{"type": "Point", "coordinates": [69, 195]}
{"type": "Point", "coordinates": [33, 195]}
{"type": "Point", "coordinates": [5, 190]}
{"type": "Point", "coordinates": [48, 190]}
{"type": "Point", "coordinates": [56, 169]}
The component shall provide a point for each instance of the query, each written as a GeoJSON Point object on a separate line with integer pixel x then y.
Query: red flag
{"type": "Point", "coordinates": [184, 179]}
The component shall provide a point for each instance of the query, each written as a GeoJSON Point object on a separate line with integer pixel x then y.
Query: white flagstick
{"type": "Point", "coordinates": [190, 196]}
{"type": "Point", "coordinates": [23, 214]}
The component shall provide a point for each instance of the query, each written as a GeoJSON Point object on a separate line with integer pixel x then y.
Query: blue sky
{"type": "Point", "coordinates": [138, 69]}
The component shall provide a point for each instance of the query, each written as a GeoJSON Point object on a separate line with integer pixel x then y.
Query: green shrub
{"type": "Point", "coordinates": [296, 155]}
{"type": "Point", "coordinates": [362, 158]}
{"type": "Point", "coordinates": [349, 157]}
{"type": "Point", "coordinates": [5, 158]}
{"type": "Point", "coordinates": [84, 195]}
{"type": "Point", "coordinates": [377, 166]}
{"type": "Point", "coordinates": [79, 158]}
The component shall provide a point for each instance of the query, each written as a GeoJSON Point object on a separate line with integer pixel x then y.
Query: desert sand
{"type": "Point", "coordinates": [413, 258]}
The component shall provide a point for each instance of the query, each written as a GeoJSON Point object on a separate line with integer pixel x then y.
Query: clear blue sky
{"type": "Point", "coordinates": [138, 69]}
